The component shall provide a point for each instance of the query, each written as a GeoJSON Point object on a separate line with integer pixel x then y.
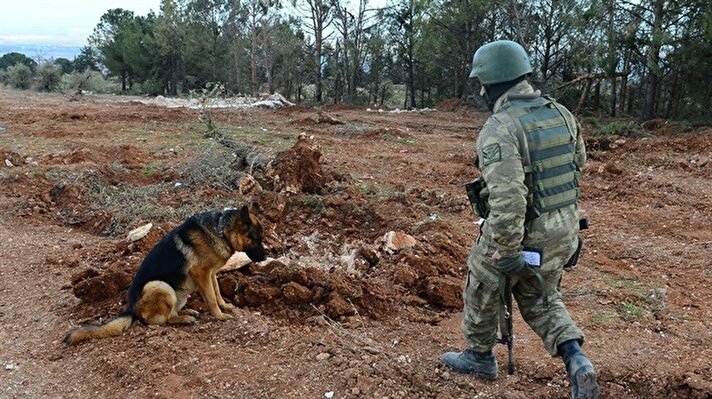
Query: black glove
{"type": "Point", "coordinates": [511, 266]}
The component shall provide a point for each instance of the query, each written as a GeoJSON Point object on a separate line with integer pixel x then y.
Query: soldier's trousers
{"type": "Point", "coordinates": [483, 304]}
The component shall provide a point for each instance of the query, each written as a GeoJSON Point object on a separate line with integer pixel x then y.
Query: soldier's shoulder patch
{"type": "Point", "coordinates": [491, 154]}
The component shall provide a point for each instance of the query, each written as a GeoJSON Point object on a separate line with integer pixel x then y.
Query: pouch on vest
{"type": "Point", "coordinates": [478, 194]}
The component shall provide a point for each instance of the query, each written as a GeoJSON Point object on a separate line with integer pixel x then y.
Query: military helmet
{"type": "Point", "coordinates": [500, 61]}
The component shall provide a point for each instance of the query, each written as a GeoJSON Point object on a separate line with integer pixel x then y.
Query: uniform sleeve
{"type": "Point", "coordinates": [501, 168]}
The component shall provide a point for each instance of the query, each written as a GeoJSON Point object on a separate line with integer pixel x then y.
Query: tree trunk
{"type": "Point", "coordinates": [624, 81]}
{"type": "Point", "coordinates": [651, 96]}
{"type": "Point", "coordinates": [253, 54]}
{"type": "Point", "coordinates": [584, 96]}
{"type": "Point", "coordinates": [236, 61]}
{"type": "Point", "coordinates": [613, 56]}
{"type": "Point", "coordinates": [317, 61]}
{"type": "Point", "coordinates": [411, 54]}
{"type": "Point", "coordinates": [671, 101]}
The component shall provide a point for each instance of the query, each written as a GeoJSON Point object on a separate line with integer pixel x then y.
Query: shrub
{"type": "Point", "coordinates": [20, 76]}
{"type": "Point", "coordinates": [50, 76]}
{"type": "Point", "coordinates": [620, 128]}
{"type": "Point", "coordinates": [88, 80]}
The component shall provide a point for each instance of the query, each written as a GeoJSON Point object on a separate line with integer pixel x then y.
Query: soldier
{"type": "Point", "coordinates": [530, 153]}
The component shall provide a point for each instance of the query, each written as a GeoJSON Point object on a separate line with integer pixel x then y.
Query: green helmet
{"type": "Point", "coordinates": [500, 61]}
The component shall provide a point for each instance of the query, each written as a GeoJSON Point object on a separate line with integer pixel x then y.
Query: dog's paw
{"type": "Point", "coordinates": [190, 312]}
{"type": "Point", "coordinates": [223, 316]}
{"type": "Point", "coordinates": [228, 306]}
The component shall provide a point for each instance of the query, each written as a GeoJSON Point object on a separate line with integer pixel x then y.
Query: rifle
{"type": "Point", "coordinates": [506, 323]}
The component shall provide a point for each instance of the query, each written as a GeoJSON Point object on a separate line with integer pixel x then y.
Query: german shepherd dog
{"type": "Point", "coordinates": [186, 259]}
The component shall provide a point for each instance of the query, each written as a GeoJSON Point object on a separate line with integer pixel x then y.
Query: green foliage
{"type": "Point", "coordinates": [314, 201]}
{"type": "Point", "coordinates": [10, 59]}
{"type": "Point", "coordinates": [630, 310]}
{"type": "Point", "coordinates": [20, 76]}
{"type": "Point", "coordinates": [64, 65]}
{"type": "Point", "coordinates": [50, 76]}
{"type": "Point", "coordinates": [645, 58]}
{"type": "Point", "coordinates": [88, 59]}
{"type": "Point", "coordinates": [621, 128]}
{"type": "Point", "coordinates": [88, 80]}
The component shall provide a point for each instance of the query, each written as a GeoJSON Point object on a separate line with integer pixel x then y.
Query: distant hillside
{"type": "Point", "coordinates": [41, 51]}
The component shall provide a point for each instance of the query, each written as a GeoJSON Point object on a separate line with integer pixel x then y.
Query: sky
{"type": "Point", "coordinates": [59, 22]}
{"type": "Point", "coordinates": [66, 22]}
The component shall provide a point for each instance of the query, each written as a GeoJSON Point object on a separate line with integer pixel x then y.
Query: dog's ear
{"type": "Point", "coordinates": [245, 215]}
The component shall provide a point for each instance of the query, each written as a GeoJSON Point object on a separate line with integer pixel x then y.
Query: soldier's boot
{"type": "Point", "coordinates": [582, 377]}
{"type": "Point", "coordinates": [483, 365]}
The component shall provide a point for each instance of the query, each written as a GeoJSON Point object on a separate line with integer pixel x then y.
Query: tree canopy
{"type": "Point", "coordinates": [647, 58]}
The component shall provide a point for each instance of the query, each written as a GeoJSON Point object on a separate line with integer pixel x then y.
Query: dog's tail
{"type": "Point", "coordinates": [112, 328]}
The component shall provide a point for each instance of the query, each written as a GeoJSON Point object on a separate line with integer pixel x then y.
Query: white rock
{"type": "Point", "coordinates": [329, 395]}
{"type": "Point", "coordinates": [322, 356]}
{"type": "Point", "coordinates": [139, 232]}
{"type": "Point", "coordinates": [8, 163]}
{"type": "Point", "coordinates": [236, 261]}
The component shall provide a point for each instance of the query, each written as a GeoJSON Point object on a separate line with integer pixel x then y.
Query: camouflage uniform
{"type": "Point", "coordinates": [554, 232]}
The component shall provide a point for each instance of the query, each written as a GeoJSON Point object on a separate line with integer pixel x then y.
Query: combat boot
{"type": "Point", "coordinates": [582, 377]}
{"type": "Point", "coordinates": [483, 365]}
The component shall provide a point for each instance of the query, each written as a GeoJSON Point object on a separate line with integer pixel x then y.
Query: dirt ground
{"type": "Point", "coordinates": [338, 315]}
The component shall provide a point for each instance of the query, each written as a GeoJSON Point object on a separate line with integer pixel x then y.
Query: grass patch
{"type": "Point", "coordinates": [213, 167]}
{"type": "Point", "coordinates": [604, 317]}
{"type": "Point", "coordinates": [411, 141]}
{"type": "Point", "coordinates": [629, 310]}
{"type": "Point", "coordinates": [620, 128]}
{"type": "Point", "coordinates": [149, 170]}
{"type": "Point", "coordinates": [314, 201]}
{"type": "Point", "coordinates": [56, 175]}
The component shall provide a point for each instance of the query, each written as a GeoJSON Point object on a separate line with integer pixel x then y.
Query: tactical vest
{"type": "Point", "coordinates": [547, 139]}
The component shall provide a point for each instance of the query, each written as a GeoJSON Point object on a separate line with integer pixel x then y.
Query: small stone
{"type": "Point", "coordinates": [139, 232]}
{"type": "Point", "coordinates": [446, 375]}
{"type": "Point", "coordinates": [329, 395]}
{"type": "Point", "coordinates": [397, 240]}
{"type": "Point", "coordinates": [8, 163]}
{"type": "Point", "coordinates": [355, 391]}
{"type": "Point", "coordinates": [322, 356]}
{"type": "Point", "coordinates": [236, 261]}
{"type": "Point", "coordinates": [404, 359]}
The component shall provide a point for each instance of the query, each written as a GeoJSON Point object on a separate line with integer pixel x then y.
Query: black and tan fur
{"type": "Point", "coordinates": [185, 260]}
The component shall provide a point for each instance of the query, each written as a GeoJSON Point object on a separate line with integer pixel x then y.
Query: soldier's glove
{"type": "Point", "coordinates": [515, 265]}
{"type": "Point", "coordinates": [511, 266]}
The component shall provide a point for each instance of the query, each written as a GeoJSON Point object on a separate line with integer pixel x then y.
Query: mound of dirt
{"type": "Point", "coordinates": [450, 104]}
{"type": "Point", "coordinates": [298, 169]}
{"type": "Point", "coordinates": [92, 285]}
{"type": "Point", "coordinates": [281, 289]}
{"type": "Point", "coordinates": [322, 118]}
{"type": "Point", "coordinates": [128, 156]}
